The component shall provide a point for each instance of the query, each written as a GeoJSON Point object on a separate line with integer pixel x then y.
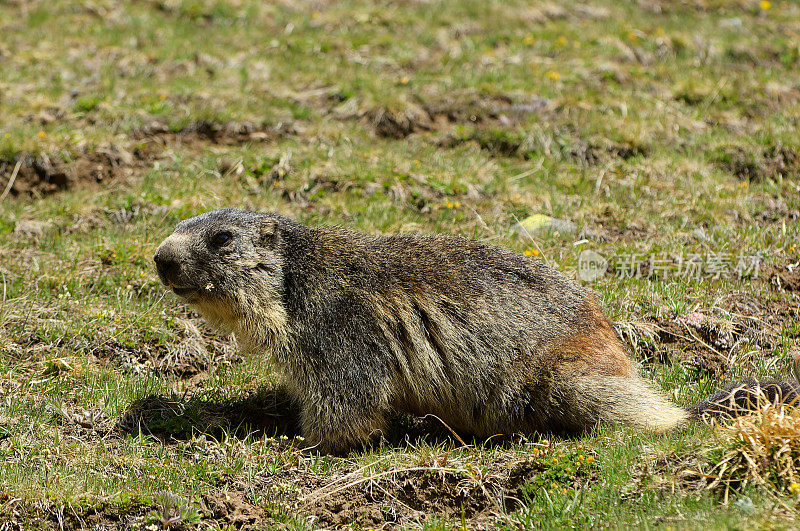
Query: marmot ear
{"type": "Point", "coordinates": [268, 231]}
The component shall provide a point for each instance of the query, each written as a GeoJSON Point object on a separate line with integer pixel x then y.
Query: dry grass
{"type": "Point", "coordinates": [760, 449]}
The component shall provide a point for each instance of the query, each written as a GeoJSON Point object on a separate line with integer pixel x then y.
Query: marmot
{"type": "Point", "coordinates": [486, 339]}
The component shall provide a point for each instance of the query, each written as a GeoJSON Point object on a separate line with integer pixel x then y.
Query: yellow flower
{"type": "Point", "coordinates": [792, 248]}
{"type": "Point", "coordinates": [555, 76]}
{"type": "Point", "coordinates": [535, 451]}
{"type": "Point", "coordinates": [450, 204]}
{"type": "Point", "coordinates": [42, 134]}
{"type": "Point", "coordinates": [580, 457]}
{"type": "Point", "coordinates": [765, 5]}
{"type": "Point", "coordinates": [561, 41]}
{"type": "Point", "coordinates": [528, 252]}
{"type": "Point", "coordinates": [404, 80]}
{"type": "Point", "coordinates": [528, 40]}
{"type": "Point", "coordinates": [794, 488]}
{"type": "Point", "coordinates": [589, 459]}
{"type": "Point", "coordinates": [315, 15]}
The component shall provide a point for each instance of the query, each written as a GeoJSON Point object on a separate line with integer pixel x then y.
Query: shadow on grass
{"type": "Point", "coordinates": [266, 411]}
{"type": "Point", "coordinates": [270, 412]}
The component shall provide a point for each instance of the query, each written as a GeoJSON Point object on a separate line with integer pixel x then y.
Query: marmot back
{"type": "Point", "coordinates": [486, 339]}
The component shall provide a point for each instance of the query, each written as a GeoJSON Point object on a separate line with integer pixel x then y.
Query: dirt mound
{"type": "Point", "coordinates": [786, 278]}
{"type": "Point", "coordinates": [755, 166]}
{"type": "Point", "coordinates": [44, 174]}
{"type": "Point", "coordinates": [710, 339]}
{"type": "Point", "coordinates": [190, 356]}
{"type": "Point", "coordinates": [441, 114]}
{"type": "Point", "coordinates": [474, 495]}
{"type": "Point", "coordinates": [409, 495]}
{"type": "Point", "coordinates": [50, 515]}
{"type": "Point", "coordinates": [227, 509]}
{"type": "Point", "coordinates": [48, 173]}
{"type": "Point", "coordinates": [207, 132]}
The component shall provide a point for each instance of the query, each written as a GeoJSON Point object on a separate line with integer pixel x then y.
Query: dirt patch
{"type": "Point", "coordinates": [399, 124]}
{"type": "Point", "coordinates": [558, 144]}
{"type": "Point", "coordinates": [54, 516]}
{"type": "Point", "coordinates": [751, 165]}
{"type": "Point", "coordinates": [404, 497]}
{"type": "Point", "coordinates": [784, 278]}
{"type": "Point", "coordinates": [43, 174]}
{"type": "Point", "coordinates": [232, 509]}
{"type": "Point", "coordinates": [440, 114]}
{"type": "Point", "coordinates": [695, 346]}
{"type": "Point", "coordinates": [494, 122]}
{"type": "Point", "coordinates": [772, 209]}
{"type": "Point", "coordinates": [204, 132]}
{"type": "Point", "coordinates": [708, 340]}
{"type": "Point", "coordinates": [191, 357]}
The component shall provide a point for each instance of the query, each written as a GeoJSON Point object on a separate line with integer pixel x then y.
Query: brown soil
{"type": "Point", "coordinates": [495, 121]}
{"type": "Point", "coordinates": [407, 496]}
{"type": "Point", "coordinates": [205, 132]}
{"type": "Point", "coordinates": [773, 209]}
{"type": "Point", "coordinates": [52, 516]}
{"type": "Point", "coordinates": [45, 174]}
{"type": "Point", "coordinates": [191, 357]}
{"type": "Point", "coordinates": [440, 114]}
{"type": "Point", "coordinates": [783, 278]}
{"type": "Point", "coordinates": [694, 347]}
{"type": "Point", "coordinates": [230, 508]}
{"type": "Point", "coordinates": [708, 340]}
{"type": "Point", "coordinates": [757, 166]}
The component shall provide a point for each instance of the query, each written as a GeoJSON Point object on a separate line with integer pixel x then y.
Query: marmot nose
{"type": "Point", "coordinates": [166, 262]}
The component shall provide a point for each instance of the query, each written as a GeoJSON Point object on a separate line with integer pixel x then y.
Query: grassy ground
{"type": "Point", "coordinates": [661, 128]}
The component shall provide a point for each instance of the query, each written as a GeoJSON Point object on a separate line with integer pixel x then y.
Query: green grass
{"type": "Point", "coordinates": [659, 128]}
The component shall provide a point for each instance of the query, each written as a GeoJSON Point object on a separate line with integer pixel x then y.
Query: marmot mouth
{"type": "Point", "coordinates": [182, 291]}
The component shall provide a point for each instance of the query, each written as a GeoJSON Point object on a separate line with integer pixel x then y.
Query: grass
{"type": "Point", "coordinates": [660, 129]}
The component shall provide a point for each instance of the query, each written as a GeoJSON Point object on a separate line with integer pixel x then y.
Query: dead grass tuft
{"type": "Point", "coordinates": [759, 449]}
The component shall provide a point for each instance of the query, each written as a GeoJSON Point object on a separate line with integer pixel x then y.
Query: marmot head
{"type": "Point", "coordinates": [222, 254]}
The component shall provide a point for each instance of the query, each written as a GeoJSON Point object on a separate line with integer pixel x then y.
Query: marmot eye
{"type": "Point", "coordinates": [221, 238]}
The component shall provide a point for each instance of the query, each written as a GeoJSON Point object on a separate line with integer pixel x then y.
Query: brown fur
{"type": "Point", "coordinates": [483, 338]}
